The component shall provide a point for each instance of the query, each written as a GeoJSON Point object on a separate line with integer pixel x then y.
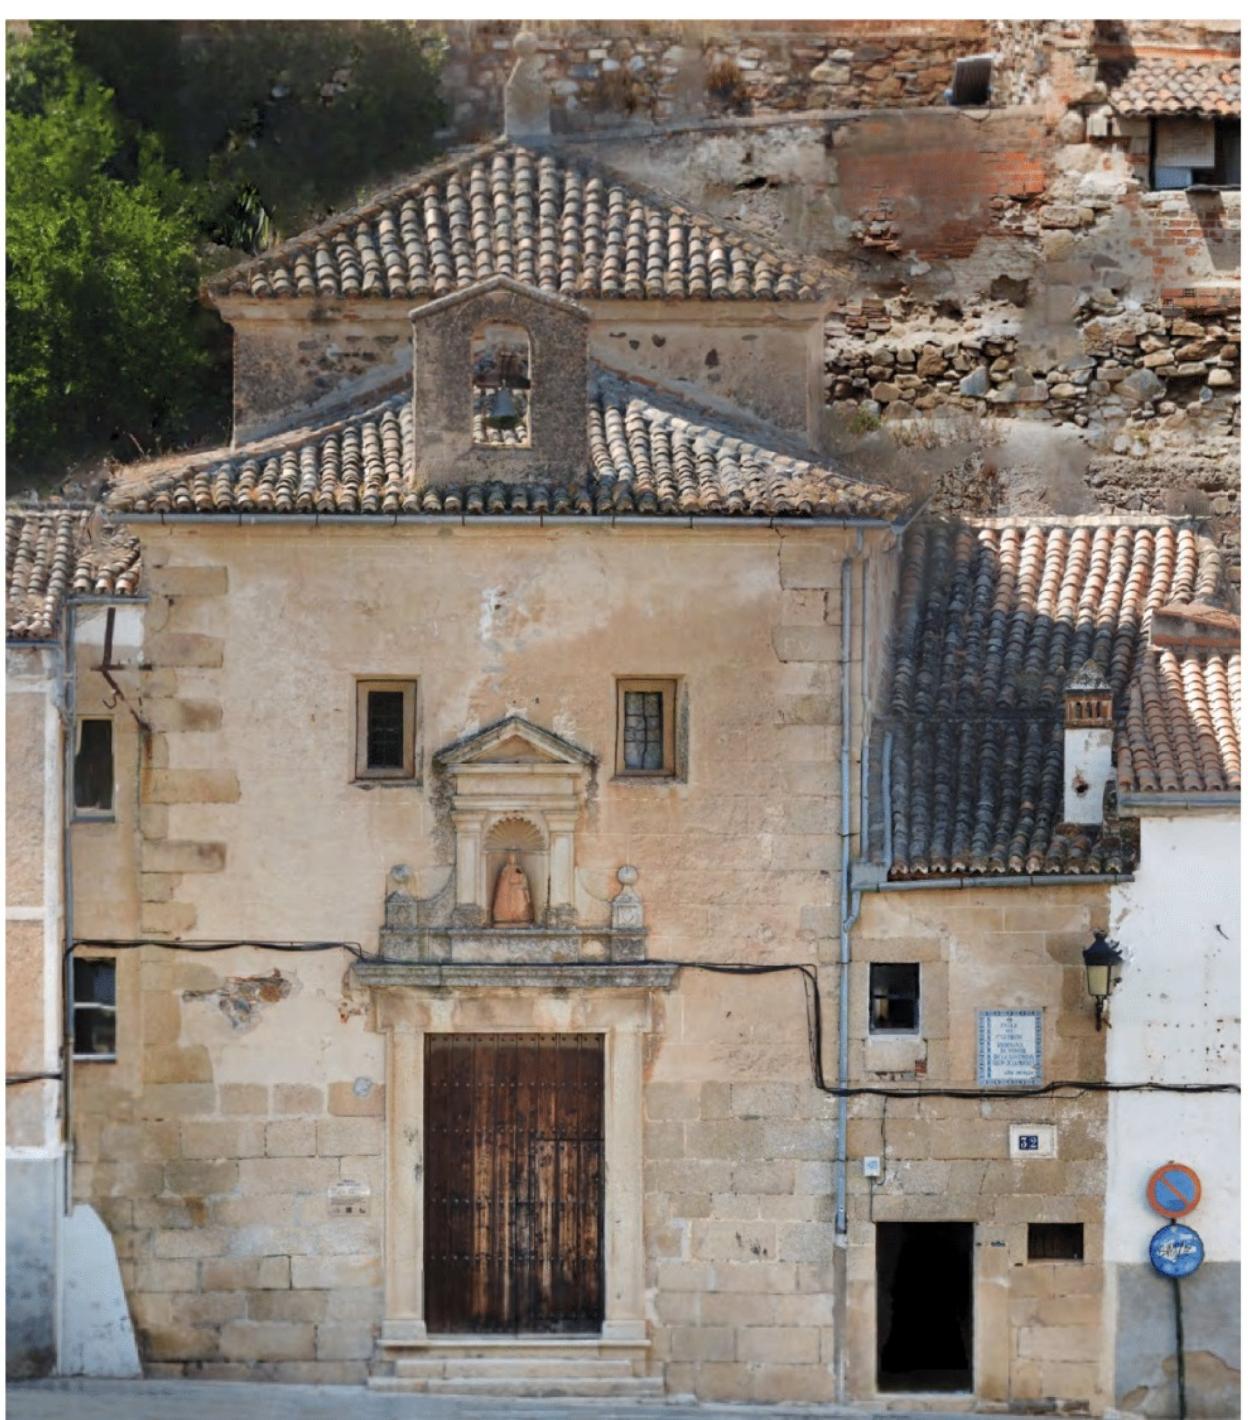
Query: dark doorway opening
{"type": "Point", "coordinates": [923, 1305]}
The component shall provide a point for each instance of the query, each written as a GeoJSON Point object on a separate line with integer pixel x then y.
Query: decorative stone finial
{"type": "Point", "coordinates": [627, 912]}
{"type": "Point", "coordinates": [526, 96]}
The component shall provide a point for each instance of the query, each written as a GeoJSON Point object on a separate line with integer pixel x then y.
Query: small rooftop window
{"type": "Point", "coordinates": [501, 387]}
{"type": "Point", "coordinates": [972, 81]}
{"type": "Point", "coordinates": [1194, 152]}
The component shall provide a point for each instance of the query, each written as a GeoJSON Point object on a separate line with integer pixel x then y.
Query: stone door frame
{"type": "Point", "coordinates": [406, 1014]}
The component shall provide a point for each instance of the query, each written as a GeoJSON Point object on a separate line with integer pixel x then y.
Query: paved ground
{"type": "Point", "coordinates": [223, 1400]}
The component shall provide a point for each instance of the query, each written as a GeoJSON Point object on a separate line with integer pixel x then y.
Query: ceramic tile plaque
{"type": "Point", "coordinates": [1009, 1048]}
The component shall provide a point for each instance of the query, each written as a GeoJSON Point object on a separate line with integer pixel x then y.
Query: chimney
{"type": "Point", "coordinates": [526, 95]}
{"type": "Point", "coordinates": [1089, 747]}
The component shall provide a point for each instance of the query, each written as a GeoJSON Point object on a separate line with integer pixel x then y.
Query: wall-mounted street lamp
{"type": "Point", "coordinates": [1103, 963]}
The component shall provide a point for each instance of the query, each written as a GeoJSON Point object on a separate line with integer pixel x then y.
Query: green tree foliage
{"type": "Point", "coordinates": [142, 155]}
{"type": "Point", "coordinates": [101, 271]}
{"type": "Point", "coordinates": [276, 124]}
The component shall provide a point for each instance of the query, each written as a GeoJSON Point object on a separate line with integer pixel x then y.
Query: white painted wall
{"type": "Point", "coordinates": [1175, 1017]}
{"type": "Point", "coordinates": [1089, 762]}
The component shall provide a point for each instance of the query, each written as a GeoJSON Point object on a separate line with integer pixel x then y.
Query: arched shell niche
{"type": "Point", "coordinates": [513, 833]}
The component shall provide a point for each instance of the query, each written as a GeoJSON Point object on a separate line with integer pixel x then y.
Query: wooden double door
{"type": "Point", "coordinates": [513, 1183]}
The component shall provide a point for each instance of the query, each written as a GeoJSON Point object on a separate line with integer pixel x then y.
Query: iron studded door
{"type": "Point", "coordinates": [513, 1183]}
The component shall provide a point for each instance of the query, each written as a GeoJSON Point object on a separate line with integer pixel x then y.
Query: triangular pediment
{"type": "Point", "coordinates": [514, 740]}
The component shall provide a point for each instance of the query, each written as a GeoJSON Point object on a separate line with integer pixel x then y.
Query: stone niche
{"type": "Point", "coordinates": [514, 790]}
{"type": "Point", "coordinates": [551, 442]}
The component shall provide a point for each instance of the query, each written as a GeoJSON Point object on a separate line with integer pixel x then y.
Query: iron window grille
{"type": "Point", "coordinates": [385, 741]}
{"type": "Point", "coordinates": [646, 728]}
{"type": "Point", "coordinates": [1055, 1242]}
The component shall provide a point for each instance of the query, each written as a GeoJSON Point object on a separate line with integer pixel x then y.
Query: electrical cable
{"type": "Point", "coordinates": [814, 1019]}
{"type": "Point", "coordinates": [31, 1076]}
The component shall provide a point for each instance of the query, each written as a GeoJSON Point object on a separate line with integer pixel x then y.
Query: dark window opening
{"type": "Point", "coordinates": [924, 1306]}
{"type": "Point", "coordinates": [93, 767]}
{"type": "Point", "coordinates": [95, 1008]}
{"type": "Point", "coordinates": [1194, 152]}
{"type": "Point", "coordinates": [972, 81]}
{"type": "Point", "coordinates": [1055, 1242]}
{"type": "Point", "coordinates": [894, 996]}
{"type": "Point", "coordinates": [385, 729]}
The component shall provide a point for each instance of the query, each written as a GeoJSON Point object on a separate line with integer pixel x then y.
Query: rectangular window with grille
{"type": "Point", "coordinates": [894, 996]}
{"type": "Point", "coordinates": [93, 769]}
{"type": "Point", "coordinates": [95, 1008]}
{"type": "Point", "coordinates": [385, 742]}
{"type": "Point", "coordinates": [1055, 1242]}
{"type": "Point", "coordinates": [646, 734]}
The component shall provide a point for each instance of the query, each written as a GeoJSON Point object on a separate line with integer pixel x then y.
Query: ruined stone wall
{"type": "Point", "coordinates": [249, 1084]}
{"type": "Point", "coordinates": [895, 358]}
{"type": "Point", "coordinates": [1038, 1333]}
{"type": "Point", "coordinates": [608, 72]}
{"type": "Point", "coordinates": [295, 360]}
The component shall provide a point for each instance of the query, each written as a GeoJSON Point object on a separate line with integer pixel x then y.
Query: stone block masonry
{"type": "Point", "coordinates": [233, 1263]}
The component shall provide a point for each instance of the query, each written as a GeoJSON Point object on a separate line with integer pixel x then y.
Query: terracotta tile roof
{"type": "Point", "coordinates": [508, 210]}
{"type": "Point", "coordinates": [52, 552]}
{"type": "Point", "coordinates": [643, 459]}
{"type": "Point", "coordinates": [993, 617]}
{"type": "Point", "coordinates": [1182, 725]}
{"type": "Point", "coordinates": [1162, 84]}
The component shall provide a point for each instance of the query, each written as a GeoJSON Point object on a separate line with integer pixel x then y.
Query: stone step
{"type": "Point", "coordinates": [522, 1367]}
{"type": "Point", "coordinates": [614, 1387]}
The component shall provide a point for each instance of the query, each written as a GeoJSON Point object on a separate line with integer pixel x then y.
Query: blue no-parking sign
{"type": "Point", "coordinates": [1173, 1190]}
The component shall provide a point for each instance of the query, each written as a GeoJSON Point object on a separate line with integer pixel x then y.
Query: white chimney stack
{"type": "Point", "coordinates": [1089, 747]}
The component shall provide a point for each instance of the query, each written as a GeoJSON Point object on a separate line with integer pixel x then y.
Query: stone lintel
{"type": "Point", "coordinates": [513, 946]}
{"type": "Point", "coordinates": [574, 975]}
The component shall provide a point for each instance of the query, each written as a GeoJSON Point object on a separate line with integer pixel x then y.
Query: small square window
{"type": "Point", "coordinates": [95, 1008]}
{"type": "Point", "coordinates": [93, 768]}
{"type": "Point", "coordinates": [1055, 1242]}
{"type": "Point", "coordinates": [1194, 152]}
{"type": "Point", "coordinates": [646, 728]}
{"type": "Point", "coordinates": [894, 996]}
{"type": "Point", "coordinates": [385, 740]}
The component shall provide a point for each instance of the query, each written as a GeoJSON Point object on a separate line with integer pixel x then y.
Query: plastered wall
{"type": "Point", "coordinates": [250, 1084]}
{"type": "Point", "coordinates": [1039, 1338]}
{"type": "Point", "coordinates": [1176, 1018]}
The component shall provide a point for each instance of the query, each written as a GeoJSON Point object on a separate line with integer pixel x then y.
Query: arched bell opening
{"type": "Point", "coordinates": [501, 386]}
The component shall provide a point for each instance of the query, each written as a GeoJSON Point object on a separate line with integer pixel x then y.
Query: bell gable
{"type": "Point", "coordinates": [499, 385]}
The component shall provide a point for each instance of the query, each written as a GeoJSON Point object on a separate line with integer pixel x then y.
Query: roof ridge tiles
{"type": "Point", "coordinates": [561, 220]}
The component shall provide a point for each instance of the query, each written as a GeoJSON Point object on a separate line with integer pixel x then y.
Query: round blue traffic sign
{"type": "Point", "coordinates": [1176, 1250]}
{"type": "Point", "coordinates": [1173, 1190]}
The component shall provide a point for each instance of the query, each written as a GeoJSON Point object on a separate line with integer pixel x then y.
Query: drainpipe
{"type": "Point", "coordinates": [70, 703]}
{"type": "Point", "coordinates": [849, 911]}
{"type": "Point", "coordinates": [886, 790]}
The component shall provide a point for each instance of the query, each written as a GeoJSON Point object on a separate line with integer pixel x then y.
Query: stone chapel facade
{"type": "Point", "coordinates": [543, 780]}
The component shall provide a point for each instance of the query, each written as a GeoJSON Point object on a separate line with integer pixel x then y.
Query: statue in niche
{"type": "Point", "coordinates": [513, 903]}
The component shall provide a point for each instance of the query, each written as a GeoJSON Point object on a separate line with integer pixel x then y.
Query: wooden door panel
{"type": "Point", "coordinates": [513, 1182]}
